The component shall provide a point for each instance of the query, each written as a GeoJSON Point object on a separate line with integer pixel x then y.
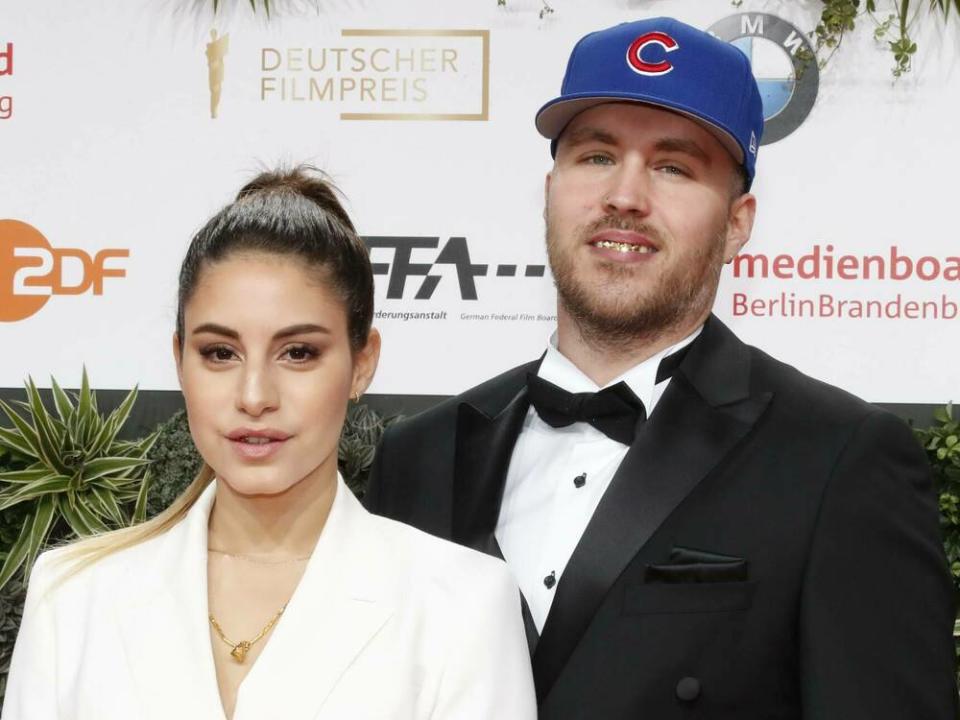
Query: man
{"type": "Point", "coordinates": [698, 530]}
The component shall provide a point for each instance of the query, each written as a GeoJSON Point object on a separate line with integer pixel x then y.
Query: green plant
{"type": "Point", "coordinates": [175, 463]}
{"type": "Point", "coordinates": [12, 598]}
{"type": "Point", "coordinates": [253, 6]}
{"type": "Point", "coordinates": [942, 443]}
{"type": "Point", "coordinates": [78, 479]}
{"type": "Point", "coordinates": [361, 434]}
{"type": "Point", "coordinates": [892, 20]}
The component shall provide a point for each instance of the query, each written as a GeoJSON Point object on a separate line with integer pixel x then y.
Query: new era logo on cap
{"type": "Point", "coordinates": [635, 53]}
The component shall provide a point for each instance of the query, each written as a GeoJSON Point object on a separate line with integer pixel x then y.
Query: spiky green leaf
{"type": "Point", "coordinates": [108, 507]}
{"type": "Point", "coordinates": [19, 477]}
{"type": "Point", "coordinates": [67, 505]}
{"type": "Point", "coordinates": [89, 517]}
{"type": "Point", "coordinates": [140, 509]}
{"type": "Point", "coordinates": [35, 490]}
{"type": "Point", "coordinates": [94, 469]}
{"type": "Point", "coordinates": [49, 442]}
{"type": "Point", "coordinates": [62, 401]}
{"type": "Point", "coordinates": [17, 553]}
{"type": "Point", "coordinates": [26, 431]}
{"type": "Point", "coordinates": [40, 529]}
{"type": "Point", "coordinates": [12, 440]}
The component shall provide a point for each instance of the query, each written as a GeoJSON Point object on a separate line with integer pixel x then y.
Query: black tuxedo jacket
{"type": "Point", "coordinates": [768, 548]}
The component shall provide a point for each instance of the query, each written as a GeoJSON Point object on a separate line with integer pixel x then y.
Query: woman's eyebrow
{"type": "Point", "coordinates": [216, 330]}
{"type": "Point", "coordinates": [300, 329]}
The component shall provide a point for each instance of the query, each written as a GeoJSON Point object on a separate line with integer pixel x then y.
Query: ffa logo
{"type": "Point", "coordinates": [788, 78]}
{"type": "Point", "coordinates": [636, 52]}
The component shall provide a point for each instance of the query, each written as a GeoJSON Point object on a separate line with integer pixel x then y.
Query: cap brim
{"type": "Point", "coordinates": [557, 114]}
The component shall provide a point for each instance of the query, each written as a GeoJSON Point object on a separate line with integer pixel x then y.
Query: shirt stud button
{"type": "Point", "coordinates": [580, 480]}
{"type": "Point", "coordinates": [688, 689]}
{"type": "Point", "coordinates": [550, 580]}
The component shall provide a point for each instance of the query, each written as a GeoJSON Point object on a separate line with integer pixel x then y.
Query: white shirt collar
{"type": "Point", "coordinates": [641, 378]}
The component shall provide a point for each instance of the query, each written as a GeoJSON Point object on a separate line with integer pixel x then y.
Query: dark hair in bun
{"type": "Point", "coordinates": [294, 213]}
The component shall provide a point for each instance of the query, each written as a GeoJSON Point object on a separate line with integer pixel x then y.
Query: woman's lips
{"type": "Point", "coordinates": [256, 448]}
{"type": "Point", "coordinates": [257, 444]}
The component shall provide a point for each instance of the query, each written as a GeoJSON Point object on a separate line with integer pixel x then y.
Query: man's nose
{"type": "Point", "coordinates": [628, 191]}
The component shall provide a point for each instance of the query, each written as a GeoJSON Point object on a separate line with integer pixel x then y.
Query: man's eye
{"type": "Point", "coordinates": [673, 170]}
{"type": "Point", "coordinates": [599, 159]}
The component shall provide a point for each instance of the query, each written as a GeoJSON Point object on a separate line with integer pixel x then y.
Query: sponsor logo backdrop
{"type": "Point", "coordinates": [124, 125]}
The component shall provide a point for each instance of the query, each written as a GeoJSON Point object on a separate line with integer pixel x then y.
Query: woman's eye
{"type": "Point", "coordinates": [218, 353]}
{"type": "Point", "coordinates": [301, 353]}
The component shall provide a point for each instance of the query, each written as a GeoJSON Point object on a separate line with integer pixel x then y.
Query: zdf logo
{"type": "Point", "coordinates": [31, 270]}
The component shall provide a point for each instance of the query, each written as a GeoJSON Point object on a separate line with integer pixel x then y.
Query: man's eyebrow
{"type": "Point", "coordinates": [588, 134]}
{"type": "Point", "coordinates": [685, 146]}
{"type": "Point", "coordinates": [301, 329]}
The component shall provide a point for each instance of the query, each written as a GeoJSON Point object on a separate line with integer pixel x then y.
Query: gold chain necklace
{"type": "Point", "coordinates": [258, 559]}
{"type": "Point", "coordinates": [239, 651]}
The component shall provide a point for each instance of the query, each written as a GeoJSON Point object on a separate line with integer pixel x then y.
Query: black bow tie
{"type": "Point", "coordinates": [615, 411]}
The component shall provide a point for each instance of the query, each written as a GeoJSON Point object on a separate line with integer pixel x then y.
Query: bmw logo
{"type": "Point", "coordinates": [788, 79]}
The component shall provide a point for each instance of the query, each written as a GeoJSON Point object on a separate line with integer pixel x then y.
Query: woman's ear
{"type": "Point", "coordinates": [178, 358]}
{"type": "Point", "coordinates": [365, 363]}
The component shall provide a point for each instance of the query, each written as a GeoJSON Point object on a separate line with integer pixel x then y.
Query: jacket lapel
{"type": "Point", "coordinates": [706, 410]}
{"type": "Point", "coordinates": [486, 435]}
{"type": "Point", "coordinates": [341, 603]}
{"type": "Point", "coordinates": [483, 449]}
{"type": "Point", "coordinates": [162, 618]}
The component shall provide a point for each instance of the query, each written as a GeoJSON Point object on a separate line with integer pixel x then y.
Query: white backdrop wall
{"type": "Point", "coordinates": [108, 143]}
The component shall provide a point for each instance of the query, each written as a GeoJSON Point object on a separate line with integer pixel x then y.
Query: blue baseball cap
{"type": "Point", "coordinates": [665, 63]}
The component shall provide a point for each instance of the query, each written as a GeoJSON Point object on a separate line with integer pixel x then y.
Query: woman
{"type": "Point", "coordinates": [266, 590]}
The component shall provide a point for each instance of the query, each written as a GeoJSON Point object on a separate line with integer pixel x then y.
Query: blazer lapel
{"type": "Point", "coordinates": [162, 618]}
{"type": "Point", "coordinates": [341, 603]}
{"type": "Point", "coordinates": [706, 410]}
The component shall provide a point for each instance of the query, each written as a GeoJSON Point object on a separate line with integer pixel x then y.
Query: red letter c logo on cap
{"type": "Point", "coordinates": [635, 53]}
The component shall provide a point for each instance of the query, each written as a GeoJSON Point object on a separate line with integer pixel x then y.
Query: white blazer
{"type": "Point", "coordinates": [387, 622]}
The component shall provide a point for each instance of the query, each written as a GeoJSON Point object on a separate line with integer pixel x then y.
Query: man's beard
{"type": "Point", "coordinates": [616, 312]}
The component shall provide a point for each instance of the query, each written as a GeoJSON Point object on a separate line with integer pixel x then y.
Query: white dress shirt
{"type": "Point", "coordinates": [557, 477]}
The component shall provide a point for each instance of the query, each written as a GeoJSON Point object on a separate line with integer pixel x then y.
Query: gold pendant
{"type": "Point", "coordinates": [239, 652]}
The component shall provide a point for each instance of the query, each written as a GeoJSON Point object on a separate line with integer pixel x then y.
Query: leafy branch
{"type": "Point", "coordinates": [840, 17]}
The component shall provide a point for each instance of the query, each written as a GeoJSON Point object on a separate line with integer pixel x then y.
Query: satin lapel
{"type": "Point", "coordinates": [483, 449]}
{"type": "Point", "coordinates": [341, 603]}
{"type": "Point", "coordinates": [694, 426]}
{"type": "Point", "coordinates": [162, 617]}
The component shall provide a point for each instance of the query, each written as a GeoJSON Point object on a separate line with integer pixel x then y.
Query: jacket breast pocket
{"type": "Point", "coordinates": [681, 598]}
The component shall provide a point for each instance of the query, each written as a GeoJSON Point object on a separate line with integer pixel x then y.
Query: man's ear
{"type": "Point", "coordinates": [546, 193]}
{"type": "Point", "coordinates": [743, 210]}
{"type": "Point", "coordinates": [365, 363]}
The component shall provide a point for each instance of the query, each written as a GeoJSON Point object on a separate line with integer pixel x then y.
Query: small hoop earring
{"type": "Point", "coordinates": [356, 397]}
